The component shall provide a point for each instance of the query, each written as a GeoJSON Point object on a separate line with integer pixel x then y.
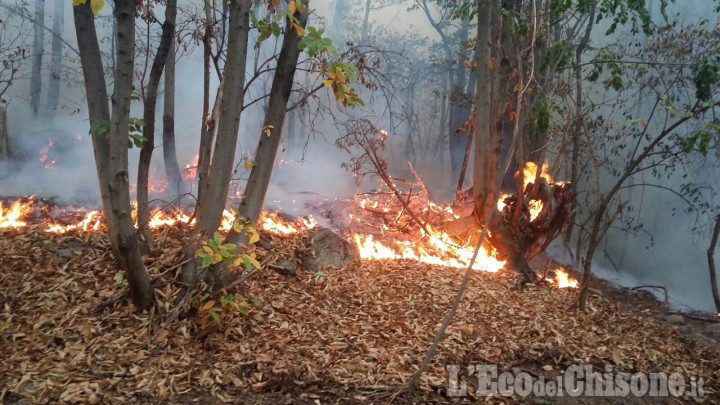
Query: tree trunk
{"type": "Point", "coordinates": [166, 40]}
{"type": "Point", "coordinates": [459, 108]}
{"type": "Point", "coordinates": [259, 179]}
{"type": "Point", "coordinates": [4, 138]}
{"type": "Point", "coordinates": [57, 50]}
{"type": "Point", "coordinates": [207, 129]}
{"type": "Point", "coordinates": [487, 140]}
{"type": "Point", "coordinates": [172, 171]}
{"type": "Point", "coordinates": [211, 201]}
{"type": "Point", "coordinates": [38, 50]}
{"type": "Point", "coordinates": [130, 259]}
{"type": "Point", "coordinates": [98, 111]}
{"type": "Point", "coordinates": [711, 263]}
{"type": "Point", "coordinates": [111, 150]}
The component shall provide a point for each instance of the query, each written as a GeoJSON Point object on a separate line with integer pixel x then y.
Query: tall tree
{"type": "Point", "coordinates": [109, 132]}
{"type": "Point", "coordinates": [172, 170]}
{"type": "Point", "coordinates": [151, 92]}
{"type": "Point", "coordinates": [38, 51]}
{"type": "Point", "coordinates": [57, 53]}
{"type": "Point", "coordinates": [213, 189]}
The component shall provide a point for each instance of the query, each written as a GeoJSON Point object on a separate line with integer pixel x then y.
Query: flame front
{"type": "Point", "coordinates": [437, 248]}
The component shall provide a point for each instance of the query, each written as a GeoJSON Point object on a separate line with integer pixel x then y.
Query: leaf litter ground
{"type": "Point", "coordinates": [353, 335]}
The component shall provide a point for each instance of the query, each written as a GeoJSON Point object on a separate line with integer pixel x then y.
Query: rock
{"type": "Point", "coordinates": [675, 319]}
{"type": "Point", "coordinates": [328, 250]}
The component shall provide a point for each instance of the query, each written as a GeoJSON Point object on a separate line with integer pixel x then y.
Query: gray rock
{"type": "Point", "coordinates": [328, 250]}
{"type": "Point", "coordinates": [675, 319]}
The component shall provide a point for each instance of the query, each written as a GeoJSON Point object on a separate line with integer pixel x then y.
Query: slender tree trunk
{"type": "Point", "coordinates": [57, 51]}
{"type": "Point", "coordinates": [487, 140]}
{"type": "Point", "coordinates": [575, 160]}
{"type": "Point", "coordinates": [129, 258]}
{"type": "Point", "coordinates": [172, 171]}
{"type": "Point", "coordinates": [161, 56]}
{"type": "Point", "coordinates": [711, 263]}
{"type": "Point", "coordinates": [366, 20]}
{"type": "Point", "coordinates": [459, 108]}
{"type": "Point", "coordinates": [38, 51]}
{"type": "Point", "coordinates": [4, 138]}
{"type": "Point", "coordinates": [207, 129]}
{"type": "Point", "coordinates": [212, 199]}
{"type": "Point", "coordinates": [111, 150]}
{"type": "Point", "coordinates": [97, 100]}
{"type": "Point", "coordinates": [259, 179]}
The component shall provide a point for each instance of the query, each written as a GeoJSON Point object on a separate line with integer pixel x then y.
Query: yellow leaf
{"type": "Point", "coordinates": [207, 305]}
{"type": "Point", "coordinates": [254, 262]}
{"type": "Point", "coordinates": [97, 5]}
{"type": "Point", "coordinates": [300, 7]}
{"type": "Point", "coordinates": [327, 83]}
{"type": "Point", "coordinates": [292, 7]}
{"type": "Point", "coordinates": [79, 2]}
{"type": "Point", "coordinates": [208, 249]}
{"type": "Point", "coordinates": [246, 164]}
{"type": "Point", "coordinates": [300, 30]}
{"type": "Point", "coordinates": [254, 235]}
{"type": "Point", "coordinates": [275, 3]}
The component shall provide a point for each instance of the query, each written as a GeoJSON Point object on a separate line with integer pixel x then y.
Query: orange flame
{"type": "Point", "coordinates": [437, 248]}
{"type": "Point", "coordinates": [563, 279]}
{"type": "Point", "coordinates": [271, 222]}
{"type": "Point", "coordinates": [14, 217]}
{"type": "Point", "coordinates": [44, 155]}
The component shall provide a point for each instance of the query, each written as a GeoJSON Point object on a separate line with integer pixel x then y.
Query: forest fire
{"type": "Point", "coordinates": [389, 239]}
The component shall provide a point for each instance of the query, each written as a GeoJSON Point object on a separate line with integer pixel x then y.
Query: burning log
{"type": "Point", "coordinates": [546, 209]}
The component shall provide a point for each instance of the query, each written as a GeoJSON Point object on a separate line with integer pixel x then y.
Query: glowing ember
{"type": "Point", "coordinates": [563, 279]}
{"type": "Point", "coordinates": [14, 217]}
{"type": "Point", "coordinates": [190, 171]}
{"type": "Point", "coordinates": [536, 207]}
{"type": "Point", "coordinates": [437, 248]}
{"type": "Point", "coordinates": [44, 155]}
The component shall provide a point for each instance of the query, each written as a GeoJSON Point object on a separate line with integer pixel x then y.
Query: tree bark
{"type": "Point", "coordinates": [97, 101]}
{"type": "Point", "coordinates": [4, 138]}
{"type": "Point", "coordinates": [38, 51]}
{"type": "Point", "coordinates": [487, 140]}
{"type": "Point", "coordinates": [161, 56]}
{"type": "Point", "coordinates": [130, 259]}
{"type": "Point", "coordinates": [711, 263]}
{"type": "Point", "coordinates": [260, 173]}
{"type": "Point", "coordinates": [207, 129]}
{"type": "Point", "coordinates": [57, 52]}
{"type": "Point", "coordinates": [211, 201]}
{"type": "Point", "coordinates": [172, 171]}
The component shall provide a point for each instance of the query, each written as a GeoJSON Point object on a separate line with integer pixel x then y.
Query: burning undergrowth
{"type": "Point", "coordinates": [355, 332]}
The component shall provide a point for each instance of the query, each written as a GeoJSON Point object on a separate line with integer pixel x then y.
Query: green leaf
{"type": "Point", "coordinates": [319, 274]}
{"type": "Point", "coordinates": [206, 261]}
{"type": "Point", "coordinates": [215, 314]}
{"type": "Point", "coordinates": [243, 309]}
{"type": "Point", "coordinates": [119, 281]}
{"type": "Point", "coordinates": [254, 301]}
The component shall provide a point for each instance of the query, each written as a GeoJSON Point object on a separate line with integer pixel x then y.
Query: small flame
{"type": "Point", "coordinates": [563, 279]}
{"type": "Point", "coordinates": [44, 155]}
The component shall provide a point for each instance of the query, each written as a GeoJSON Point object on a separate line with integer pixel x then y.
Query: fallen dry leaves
{"type": "Point", "coordinates": [365, 327]}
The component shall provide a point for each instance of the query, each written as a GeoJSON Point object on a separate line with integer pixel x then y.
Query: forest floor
{"type": "Point", "coordinates": [353, 335]}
